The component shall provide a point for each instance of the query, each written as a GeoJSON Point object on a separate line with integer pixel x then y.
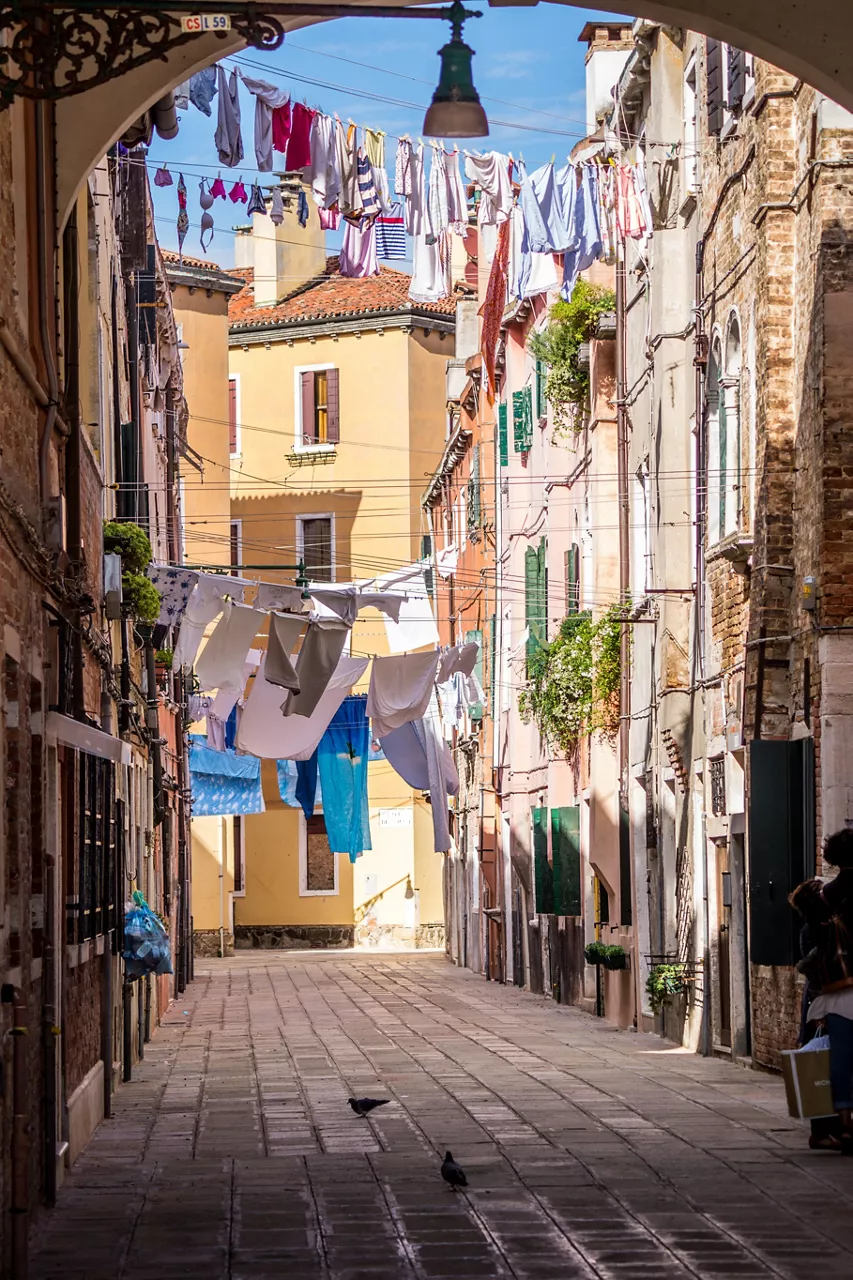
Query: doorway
{"type": "Point", "coordinates": [724, 944]}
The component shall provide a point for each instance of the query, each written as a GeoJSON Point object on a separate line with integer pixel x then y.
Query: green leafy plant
{"type": "Point", "coordinates": [663, 982]}
{"type": "Point", "coordinates": [140, 597]}
{"type": "Point", "coordinates": [615, 957]}
{"type": "Point", "coordinates": [570, 325]}
{"type": "Point", "coordinates": [594, 952]}
{"type": "Point", "coordinates": [163, 658]}
{"type": "Point", "coordinates": [130, 542]}
{"type": "Point", "coordinates": [572, 685]}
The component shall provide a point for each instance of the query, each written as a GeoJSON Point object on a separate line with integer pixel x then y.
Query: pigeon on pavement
{"type": "Point", "coordinates": [361, 1106]}
{"type": "Point", "coordinates": [452, 1172]}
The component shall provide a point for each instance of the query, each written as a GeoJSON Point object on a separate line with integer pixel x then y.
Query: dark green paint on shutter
{"type": "Point", "coordinates": [566, 854]}
{"type": "Point", "coordinates": [543, 875]}
{"type": "Point", "coordinates": [503, 441]}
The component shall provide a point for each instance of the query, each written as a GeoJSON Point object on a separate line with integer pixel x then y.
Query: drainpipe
{"type": "Point", "coordinates": [20, 1130]}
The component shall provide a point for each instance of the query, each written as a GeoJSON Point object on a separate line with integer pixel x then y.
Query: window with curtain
{"type": "Point", "coordinates": [315, 547]}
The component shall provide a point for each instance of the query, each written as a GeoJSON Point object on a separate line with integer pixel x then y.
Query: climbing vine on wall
{"type": "Point", "coordinates": [570, 325]}
{"type": "Point", "coordinates": [573, 683]}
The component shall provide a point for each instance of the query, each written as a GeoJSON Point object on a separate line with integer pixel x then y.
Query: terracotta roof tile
{"type": "Point", "coordinates": [331, 295]}
{"type": "Point", "coordinates": [173, 259]}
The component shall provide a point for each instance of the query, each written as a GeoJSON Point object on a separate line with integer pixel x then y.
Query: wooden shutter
{"type": "Point", "coordinates": [781, 844]}
{"type": "Point", "coordinates": [566, 854]}
{"type": "Point", "coordinates": [232, 415]}
{"type": "Point", "coordinates": [714, 84]}
{"type": "Point", "coordinates": [573, 566]}
{"type": "Point", "coordinates": [333, 407]}
{"type": "Point", "coordinates": [541, 382]}
{"type": "Point", "coordinates": [626, 898]}
{"type": "Point", "coordinates": [531, 586]}
{"type": "Point", "coordinates": [543, 873]}
{"type": "Point", "coordinates": [503, 442]}
{"type": "Point", "coordinates": [309, 425]}
{"type": "Point", "coordinates": [474, 490]}
{"type": "Point", "coordinates": [522, 420]}
{"type": "Point", "coordinates": [736, 86]}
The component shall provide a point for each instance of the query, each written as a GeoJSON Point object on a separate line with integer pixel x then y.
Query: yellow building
{"type": "Point", "coordinates": [338, 411]}
{"type": "Point", "coordinates": [200, 296]}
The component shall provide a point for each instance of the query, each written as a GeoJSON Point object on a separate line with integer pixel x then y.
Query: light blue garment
{"type": "Point", "coordinates": [342, 757]}
{"type": "Point", "coordinates": [588, 244]}
{"type": "Point", "coordinates": [222, 782]}
{"type": "Point", "coordinates": [203, 89]}
{"type": "Point", "coordinates": [566, 184]}
{"type": "Point", "coordinates": [549, 229]}
{"type": "Point", "coordinates": [288, 779]}
{"type": "Point", "coordinates": [537, 238]}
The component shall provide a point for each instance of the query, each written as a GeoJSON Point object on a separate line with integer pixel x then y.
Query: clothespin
{"type": "Point", "coordinates": [554, 158]}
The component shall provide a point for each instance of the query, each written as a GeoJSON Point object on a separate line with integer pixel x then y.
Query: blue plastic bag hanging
{"type": "Point", "coordinates": [146, 942]}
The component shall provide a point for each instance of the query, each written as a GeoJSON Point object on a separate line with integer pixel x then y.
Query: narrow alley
{"type": "Point", "coordinates": [589, 1151]}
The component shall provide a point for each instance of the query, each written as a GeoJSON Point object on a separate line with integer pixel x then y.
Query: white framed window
{"type": "Point", "coordinates": [690, 116]}
{"type": "Point", "coordinates": [235, 434]}
{"type": "Point", "coordinates": [315, 545]}
{"type": "Point", "coordinates": [236, 543]}
{"type": "Point", "coordinates": [316, 407]}
{"type": "Point", "coordinates": [318, 866]}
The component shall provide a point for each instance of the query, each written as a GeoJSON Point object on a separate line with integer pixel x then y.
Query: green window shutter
{"type": "Point", "coordinates": [541, 383]}
{"type": "Point", "coordinates": [573, 565]}
{"type": "Point", "coordinates": [503, 442]}
{"type": "Point", "coordinates": [474, 509]}
{"type": "Point", "coordinates": [543, 874]}
{"type": "Point", "coordinates": [476, 637]}
{"type": "Point", "coordinates": [426, 554]}
{"type": "Point", "coordinates": [536, 597]}
{"type": "Point", "coordinates": [522, 419]}
{"type": "Point", "coordinates": [566, 852]}
{"type": "Point", "coordinates": [781, 844]}
{"type": "Point", "coordinates": [626, 905]}
{"type": "Point", "coordinates": [543, 591]}
{"type": "Point", "coordinates": [493, 661]}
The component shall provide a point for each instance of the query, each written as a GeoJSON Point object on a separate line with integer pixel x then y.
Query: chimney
{"type": "Point", "coordinates": [287, 256]}
{"type": "Point", "coordinates": [609, 45]}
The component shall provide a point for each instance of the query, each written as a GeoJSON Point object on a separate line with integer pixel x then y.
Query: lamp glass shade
{"type": "Point", "coordinates": [410, 893]}
{"type": "Point", "coordinates": [455, 111]}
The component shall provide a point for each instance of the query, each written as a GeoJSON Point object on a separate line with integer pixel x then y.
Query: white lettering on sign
{"type": "Point", "coordinates": [198, 22]}
{"type": "Point", "coordinates": [395, 817]}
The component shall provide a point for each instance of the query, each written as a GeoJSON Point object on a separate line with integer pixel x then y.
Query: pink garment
{"type": "Point", "coordinates": [329, 218]}
{"type": "Point", "coordinates": [299, 143]}
{"type": "Point", "coordinates": [217, 190]}
{"type": "Point", "coordinates": [358, 251]}
{"type": "Point", "coordinates": [238, 193]}
{"type": "Point", "coordinates": [282, 123]}
{"type": "Point", "coordinates": [630, 218]}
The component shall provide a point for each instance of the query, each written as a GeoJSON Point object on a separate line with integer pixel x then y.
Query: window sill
{"type": "Point", "coordinates": [319, 893]}
{"type": "Point", "coordinates": [313, 455]}
{"type": "Point", "coordinates": [735, 547]}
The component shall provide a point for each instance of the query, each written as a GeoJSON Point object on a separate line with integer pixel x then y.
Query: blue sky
{"type": "Point", "coordinates": [528, 69]}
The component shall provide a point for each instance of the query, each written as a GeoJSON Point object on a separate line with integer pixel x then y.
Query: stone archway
{"type": "Point", "coordinates": [813, 42]}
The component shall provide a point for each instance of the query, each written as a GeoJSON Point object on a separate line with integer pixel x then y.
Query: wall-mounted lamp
{"type": "Point", "coordinates": [410, 893]}
{"type": "Point", "coordinates": [455, 111]}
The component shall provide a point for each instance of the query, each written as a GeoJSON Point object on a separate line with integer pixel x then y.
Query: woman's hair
{"type": "Point", "coordinates": [838, 849]}
{"type": "Point", "coordinates": [807, 899]}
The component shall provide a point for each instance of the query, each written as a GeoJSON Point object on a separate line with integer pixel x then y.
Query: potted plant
{"type": "Point", "coordinates": [140, 598]}
{"type": "Point", "coordinates": [664, 982]}
{"type": "Point", "coordinates": [594, 952]}
{"type": "Point", "coordinates": [614, 957]}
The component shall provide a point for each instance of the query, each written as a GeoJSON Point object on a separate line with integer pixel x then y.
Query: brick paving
{"type": "Point", "coordinates": [590, 1152]}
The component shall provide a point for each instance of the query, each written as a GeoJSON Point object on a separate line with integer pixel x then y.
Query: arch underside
{"type": "Point", "coordinates": [813, 42]}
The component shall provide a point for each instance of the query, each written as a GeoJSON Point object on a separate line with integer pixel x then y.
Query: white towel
{"type": "Point", "coordinates": [400, 690]}
{"type": "Point", "coordinates": [204, 604]}
{"type": "Point", "coordinates": [415, 627]}
{"type": "Point", "coordinates": [221, 661]}
{"type": "Point", "coordinates": [265, 732]}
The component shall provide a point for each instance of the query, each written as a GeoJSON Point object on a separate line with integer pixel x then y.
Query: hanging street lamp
{"type": "Point", "coordinates": [455, 111]}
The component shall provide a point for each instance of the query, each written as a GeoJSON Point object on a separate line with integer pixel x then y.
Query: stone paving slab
{"type": "Point", "coordinates": [590, 1152]}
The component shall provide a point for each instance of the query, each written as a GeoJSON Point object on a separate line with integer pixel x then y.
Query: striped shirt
{"type": "Point", "coordinates": [391, 234]}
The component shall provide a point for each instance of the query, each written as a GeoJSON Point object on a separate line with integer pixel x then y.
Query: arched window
{"type": "Point", "coordinates": [731, 504]}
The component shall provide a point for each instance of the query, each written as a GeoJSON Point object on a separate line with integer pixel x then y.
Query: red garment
{"type": "Point", "coordinates": [493, 308]}
{"type": "Point", "coordinates": [299, 146]}
{"type": "Point", "coordinates": [629, 212]}
{"type": "Point", "coordinates": [282, 123]}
